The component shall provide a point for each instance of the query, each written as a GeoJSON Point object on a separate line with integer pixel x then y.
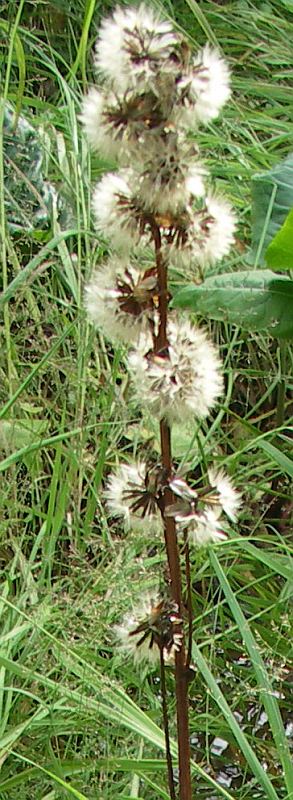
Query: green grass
{"type": "Point", "coordinates": [75, 720]}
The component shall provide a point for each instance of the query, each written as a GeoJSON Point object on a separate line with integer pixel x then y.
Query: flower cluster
{"type": "Point", "coordinates": [153, 87]}
{"type": "Point", "coordinates": [135, 492]}
{"type": "Point", "coordinates": [152, 90]}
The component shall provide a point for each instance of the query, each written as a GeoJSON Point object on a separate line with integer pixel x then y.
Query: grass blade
{"type": "Point", "coordinates": [249, 754]}
{"type": "Point", "coordinates": [264, 684]}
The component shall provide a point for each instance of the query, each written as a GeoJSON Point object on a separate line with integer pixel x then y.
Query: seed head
{"type": "Point", "coordinates": [134, 47]}
{"type": "Point", "coordinates": [182, 381]}
{"type": "Point", "coordinates": [120, 300]}
{"type": "Point", "coordinates": [114, 211]}
{"type": "Point", "coordinates": [133, 493]}
{"type": "Point", "coordinates": [153, 626]}
{"type": "Point", "coordinates": [203, 89]}
{"type": "Point", "coordinates": [225, 496]}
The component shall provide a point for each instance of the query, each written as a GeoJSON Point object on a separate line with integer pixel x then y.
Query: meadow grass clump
{"type": "Point", "coordinates": [77, 717]}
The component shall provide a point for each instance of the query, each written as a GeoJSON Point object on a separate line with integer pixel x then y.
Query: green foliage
{"type": "Point", "coordinates": [75, 719]}
{"type": "Point", "coordinates": [279, 254]}
{"type": "Point", "coordinates": [256, 300]}
{"type": "Point", "coordinates": [272, 200]}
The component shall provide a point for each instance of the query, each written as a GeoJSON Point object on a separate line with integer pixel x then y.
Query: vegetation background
{"type": "Point", "coordinates": [75, 720]}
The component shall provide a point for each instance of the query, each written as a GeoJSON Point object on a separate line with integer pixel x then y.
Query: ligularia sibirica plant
{"type": "Point", "coordinates": [151, 90]}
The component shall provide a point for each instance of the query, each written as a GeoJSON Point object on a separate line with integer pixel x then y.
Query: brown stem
{"type": "Point", "coordinates": [189, 600]}
{"type": "Point", "coordinates": [161, 341]}
{"type": "Point", "coordinates": [166, 728]}
{"type": "Point", "coordinates": [181, 674]}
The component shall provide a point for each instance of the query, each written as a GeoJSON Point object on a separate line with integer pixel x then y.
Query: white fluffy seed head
{"type": "Point", "coordinates": [117, 302]}
{"type": "Point", "coordinates": [128, 643]}
{"type": "Point", "coordinates": [227, 497]}
{"type": "Point", "coordinates": [209, 234]}
{"type": "Point", "coordinates": [125, 489]}
{"type": "Point", "coordinates": [143, 646]}
{"type": "Point", "coordinates": [204, 529]}
{"type": "Point", "coordinates": [123, 126]}
{"type": "Point", "coordinates": [133, 46]}
{"type": "Point", "coordinates": [112, 210]}
{"type": "Point", "coordinates": [221, 229]}
{"type": "Point", "coordinates": [167, 187]}
{"type": "Point", "coordinates": [94, 120]}
{"type": "Point", "coordinates": [182, 382]}
{"type": "Point", "coordinates": [203, 90]}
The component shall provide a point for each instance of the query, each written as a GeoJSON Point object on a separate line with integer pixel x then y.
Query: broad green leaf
{"type": "Point", "coordinates": [19, 433]}
{"type": "Point", "coordinates": [257, 300]}
{"type": "Point", "coordinates": [272, 199]}
{"type": "Point", "coordinates": [279, 254]}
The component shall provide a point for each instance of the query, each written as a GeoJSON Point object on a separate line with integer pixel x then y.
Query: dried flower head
{"type": "Point", "coordinates": [127, 126]}
{"type": "Point", "coordinates": [203, 89]}
{"type": "Point", "coordinates": [114, 211]}
{"type": "Point", "coordinates": [199, 511]}
{"type": "Point", "coordinates": [168, 181]}
{"type": "Point", "coordinates": [134, 46]}
{"type": "Point", "coordinates": [182, 381]}
{"type": "Point", "coordinates": [120, 300]}
{"type": "Point", "coordinates": [98, 130]}
{"type": "Point", "coordinates": [153, 626]}
{"type": "Point", "coordinates": [225, 498]}
{"type": "Point", "coordinates": [180, 487]}
{"type": "Point", "coordinates": [203, 528]}
{"type": "Point", "coordinates": [133, 492]}
{"type": "Point", "coordinates": [204, 234]}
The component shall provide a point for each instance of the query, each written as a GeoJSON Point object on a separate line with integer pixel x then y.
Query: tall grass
{"type": "Point", "coordinates": [75, 721]}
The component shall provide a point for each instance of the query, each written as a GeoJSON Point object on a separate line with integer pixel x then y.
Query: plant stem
{"type": "Point", "coordinates": [166, 727]}
{"type": "Point", "coordinates": [189, 600]}
{"type": "Point", "coordinates": [181, 674]}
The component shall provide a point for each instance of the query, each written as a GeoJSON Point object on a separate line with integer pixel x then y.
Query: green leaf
{"type": "Point", "coordinates": [282, 565]}
{"type": "Point", "coordinates": [279, 254]}
{"type": "Point", "coordinates": [288, 4]}
{"type": "Point", "coordinates": [285, 463]}
{"type": "Point", "coordinates": [70, 790]}
{"type": "Point", "coordinates": [256, 300]}
{"type": "Point", "coordinates": [272, 199]}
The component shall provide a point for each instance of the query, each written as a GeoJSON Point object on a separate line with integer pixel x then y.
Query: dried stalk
{"type": "Point", "coordinates": [181, 673]}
